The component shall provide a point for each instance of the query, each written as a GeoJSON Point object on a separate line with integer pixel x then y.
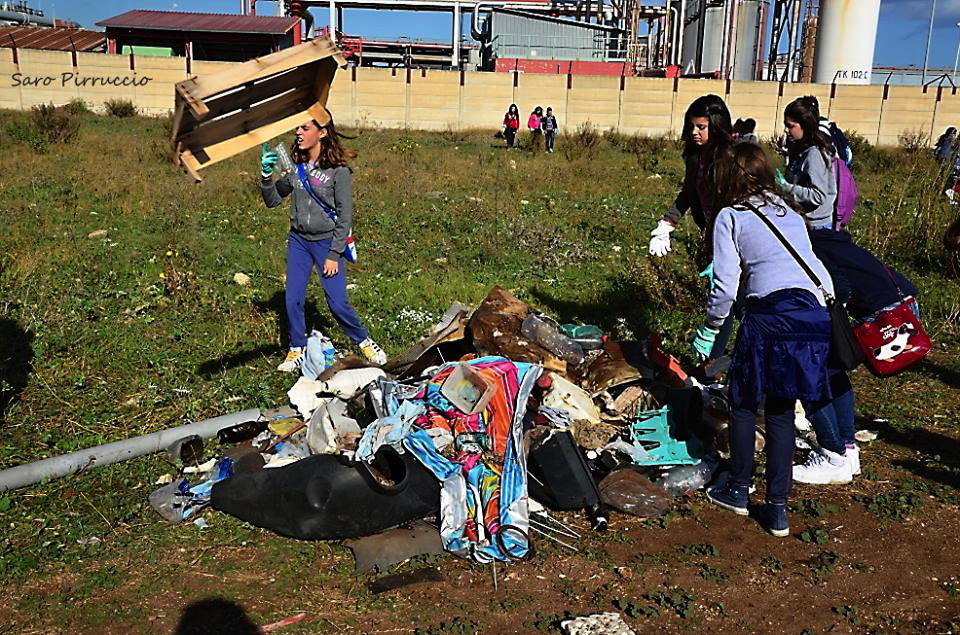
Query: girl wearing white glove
{"type": "Point", "coordinates": [707, 134]}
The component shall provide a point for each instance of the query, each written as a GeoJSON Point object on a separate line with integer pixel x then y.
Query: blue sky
{"type": "Point", "coordinates": [900, 41]}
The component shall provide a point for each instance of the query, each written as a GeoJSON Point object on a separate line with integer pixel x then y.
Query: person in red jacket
{"type": "Point", "coordinates": [511, 123]}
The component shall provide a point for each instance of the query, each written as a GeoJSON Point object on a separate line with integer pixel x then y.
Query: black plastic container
{"type": "Point", "coordinates": [327, 497]}
{"type": "Point", "coordinates": [558, 476]}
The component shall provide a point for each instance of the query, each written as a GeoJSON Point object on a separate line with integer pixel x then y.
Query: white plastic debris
{"type": "Point", "coordinates": [198, 469]}
{"type": "Point", "coordinates": [347, 384]}
{"type": "Point", "coordinates": [597, 624]}
{"type": "Point", "coordinates": [866, 436]}
{"type": "Point", "coordinates": [242, 279]}
{"type": "Point", "coordinates": [565, 395]}
{"type": "Point", "coordinates": [303, 396]}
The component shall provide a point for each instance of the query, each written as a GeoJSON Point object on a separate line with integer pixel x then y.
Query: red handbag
{"type": "Point", "coordinates": [892, 339]}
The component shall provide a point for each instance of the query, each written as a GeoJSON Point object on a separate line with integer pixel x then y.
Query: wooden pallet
{"type": "Point", "coordinates": [223, 114]}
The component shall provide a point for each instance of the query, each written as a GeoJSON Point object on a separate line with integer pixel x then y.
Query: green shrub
{"type": "Point", "coordinates": [121, 108]}
{"type": "Point", "coordinates": [913, 141]}
{"type": "Point", "coordinates": [583, 142]}
{"type": "Point", "coordinates": [55, 125]}
{"type": "Point", "coordinates": [77, 106]}
{"type": "Point", "coordinates": [45, 125]}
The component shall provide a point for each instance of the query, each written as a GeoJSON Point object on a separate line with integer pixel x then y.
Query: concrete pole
{"type": "Point", "coordinates": [333, 20]}
{"type": "Point", "coordinates": [455, 62]}
{"type": "Point", "coordinates": [926, 53]}
{"type": "Point", "coordinates": [956, 61]}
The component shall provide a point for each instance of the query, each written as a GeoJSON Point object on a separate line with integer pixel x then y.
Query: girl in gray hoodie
{"type": "Point", "coordinates": [811, 178]}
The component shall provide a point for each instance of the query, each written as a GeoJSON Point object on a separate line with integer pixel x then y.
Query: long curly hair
{"type": "Point", "coordinates": [333, 154]}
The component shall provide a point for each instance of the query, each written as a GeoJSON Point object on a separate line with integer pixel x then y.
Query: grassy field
{"type": "Point", "coordinates": [119, 316]}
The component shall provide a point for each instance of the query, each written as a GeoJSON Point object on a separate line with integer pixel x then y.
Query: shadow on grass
{"type": "Point", "coordinates": [233, 360]}
{"type": "Point", "coordinates": [617, 302]}
{"type": "Point", "coordinates": [275, 304]}
{"type": "Point", "coordinates": [16, 362]}
{"type": "Point", "coordinates": [939, 459]}
{"type": "Point", "coordinates": [215, 616]}
{"type": "Point", "coordinates": [948, 376]}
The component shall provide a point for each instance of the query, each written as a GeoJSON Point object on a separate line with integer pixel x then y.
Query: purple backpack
{"type": "Point", "coordinates": [846, 195]}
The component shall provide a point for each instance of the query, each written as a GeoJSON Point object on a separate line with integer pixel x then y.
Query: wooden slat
{"type": "Point", "coordinates": [259, 91]}
{"type": "Point", "coordinates": [189, 163]}
{"type": "Point", "coordinates": [202, 87]}
{"type": "Point", "coordinates": [197, 106]}
{"type": "Point", "coordinates": [179, 109]}
{"type": "Point", "coordinates": [248, 120]}
{"type": "Point", "coordinates": [236, 145]}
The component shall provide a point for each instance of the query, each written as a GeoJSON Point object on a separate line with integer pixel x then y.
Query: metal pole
{"type": "Point", "coordinates": [926, 53]}
{"type": "Point", "coordinates": [455, 63]}
{"type": "Point", "coordinates": [701, 26]}
{"type": "Point", "coordinates": [956, 61]}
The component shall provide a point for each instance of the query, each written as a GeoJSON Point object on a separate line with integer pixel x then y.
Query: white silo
{"type": "Point", "coordinates": [713, 28]}
{"type": "Point", "coordinates": [748, 38]}
{"type": "Point", "coordinates": [846, 36]}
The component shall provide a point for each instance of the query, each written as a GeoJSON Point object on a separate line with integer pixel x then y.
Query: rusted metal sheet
{"type": "Point", "coordinates": [47, 39]}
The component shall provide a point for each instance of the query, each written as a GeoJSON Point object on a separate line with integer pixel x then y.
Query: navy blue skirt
{"type": "Point", "coordinates": [781, 350]}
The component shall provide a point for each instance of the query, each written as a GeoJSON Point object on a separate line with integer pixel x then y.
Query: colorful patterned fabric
{"type": "Point", "coordinates": [484, 474]}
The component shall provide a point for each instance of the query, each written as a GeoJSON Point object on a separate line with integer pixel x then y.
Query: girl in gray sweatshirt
{"type": "Point", "coordinates": [811, 178]}
{"type": "Point", "coordinates": [781, 350]}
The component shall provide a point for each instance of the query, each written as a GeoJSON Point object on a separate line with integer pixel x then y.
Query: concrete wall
{"type": "Point", "coordinates": [437, 100]}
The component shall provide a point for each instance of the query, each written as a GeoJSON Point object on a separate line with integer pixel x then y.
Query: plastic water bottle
{"type": "Point", "coordinates": [286, 162]}
{"type": "Point", "coordinates": [686, 478]}
{"type": "Point", "coordinates": [538, 329]}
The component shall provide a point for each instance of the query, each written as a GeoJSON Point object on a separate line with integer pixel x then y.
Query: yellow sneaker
{"type": "Point", "coordinates": [293, 362]}
{"type": "Point", "coordinates": [372, 351]}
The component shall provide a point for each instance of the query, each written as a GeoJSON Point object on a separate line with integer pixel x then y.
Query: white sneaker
{"type": "Point", "coordinates": [853, 457]}
{"type": "Point", "coordinates": [293, 362]}
{"type": "Point", "coordinates": [823, 468]}
{"type": "Point", "coordinates": [372, 351]}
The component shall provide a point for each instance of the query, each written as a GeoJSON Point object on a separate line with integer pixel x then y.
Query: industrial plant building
{"type": "Point", "coordinates": [824, 41]}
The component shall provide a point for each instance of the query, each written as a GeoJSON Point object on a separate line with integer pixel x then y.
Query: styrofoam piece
{"type": "Point", "coordinates": [597, 624]}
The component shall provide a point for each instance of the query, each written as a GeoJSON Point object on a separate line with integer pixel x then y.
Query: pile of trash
{"type": "Point", "coordinates": [495, 418]}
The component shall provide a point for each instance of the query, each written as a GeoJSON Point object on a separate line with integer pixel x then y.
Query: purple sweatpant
{"type": "Point", "coordinates": [302, 256]}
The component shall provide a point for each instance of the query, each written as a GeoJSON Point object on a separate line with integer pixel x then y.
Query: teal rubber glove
{"type": "Point", "coordinates": [781, 181]}
{"type": "Point", "coordinates": [708, 274]}
{"type": "Point", "coordinates": [703, 341]}
{"type": "Point", "coordinates": [268, 160]}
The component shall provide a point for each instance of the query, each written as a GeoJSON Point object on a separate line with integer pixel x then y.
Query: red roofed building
{"type": "Point", "coordinates": [202, 36]}
{"type": "Point", "coordinates": [51, 39]}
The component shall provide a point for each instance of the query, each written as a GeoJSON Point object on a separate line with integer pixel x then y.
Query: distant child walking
{"type": "Point", "coordinates": [511, 124]}
{"type": "Point", "coordinates": [548, 123]}
{"type": "Point", "coordinates": [533, 125]}
{"type": "Point", "coordinates": [321, 216]}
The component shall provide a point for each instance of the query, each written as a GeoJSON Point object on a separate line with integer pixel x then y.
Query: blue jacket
{"type": "Point", "coordinates": [859, 279]}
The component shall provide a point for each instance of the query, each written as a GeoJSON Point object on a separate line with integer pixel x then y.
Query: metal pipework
{"type": "Point", "coordinates": [83, 460]}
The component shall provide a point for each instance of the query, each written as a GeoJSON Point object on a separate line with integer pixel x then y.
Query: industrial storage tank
{"type": "Point", "coordinates": [712, 36]}
{"type": "Point", "coordinates": [846, 36]}
{"type": "Point", "coordinates": [748, 38]}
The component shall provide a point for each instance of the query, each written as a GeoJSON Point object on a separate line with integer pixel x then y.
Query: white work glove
{"type": "Point", "coordinates": [660, 239]}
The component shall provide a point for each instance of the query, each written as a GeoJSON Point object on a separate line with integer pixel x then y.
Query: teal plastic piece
{"type": "Point", "coordinates": [651, 430]}
{"type": "Point", "coordinates": [581, 330]}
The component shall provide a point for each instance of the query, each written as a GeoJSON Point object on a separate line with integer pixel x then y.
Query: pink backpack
{"type": "Point", "coordinates": [846, 195]}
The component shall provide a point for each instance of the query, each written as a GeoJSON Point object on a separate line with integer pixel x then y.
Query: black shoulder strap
{"type": "Point", "coordinates": [793, 252]}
